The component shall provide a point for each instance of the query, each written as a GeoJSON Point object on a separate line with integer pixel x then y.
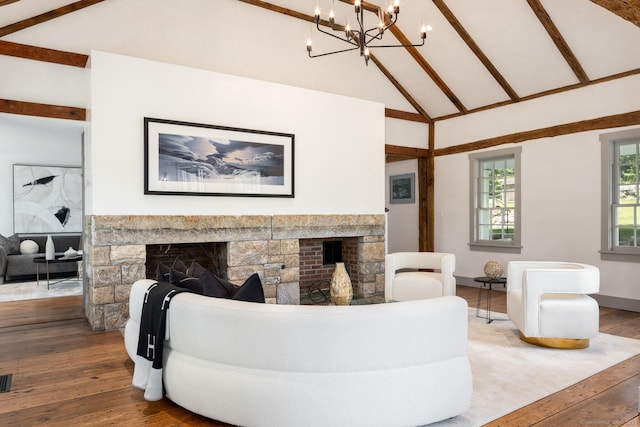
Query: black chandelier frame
{"type": "Point", "coordinates": [360, 38]}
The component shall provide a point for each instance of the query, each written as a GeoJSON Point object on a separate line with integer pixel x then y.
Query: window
{"type": "Point", "coordinates": [495, 200]}
{"type": "Point", "coordinates": [621, 196]}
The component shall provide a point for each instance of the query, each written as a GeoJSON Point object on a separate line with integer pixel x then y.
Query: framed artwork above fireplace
{"type": "Point", "coordinates": [185, 158]}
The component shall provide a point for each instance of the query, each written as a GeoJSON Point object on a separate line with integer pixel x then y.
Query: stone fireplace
{"type": "Point", "coordinates": [116, 253]}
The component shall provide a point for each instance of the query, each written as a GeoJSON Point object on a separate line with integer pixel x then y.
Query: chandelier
{"type": "Point", "coordinates": [360, 38]}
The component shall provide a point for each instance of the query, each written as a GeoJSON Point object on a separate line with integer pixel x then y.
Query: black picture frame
{"type": "Point", "coordinates": [185, 158]}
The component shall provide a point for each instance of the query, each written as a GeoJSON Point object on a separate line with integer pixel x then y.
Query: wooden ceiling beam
{"type": "Point", "coordinates": [279, 9]}
{"type": "Point", "coordinates": [6, 2]}
{"type": "Point", "coordinates": [466, 37]}
{"type": "Point", "coordinates": [545, 93]}
{"type": "Point", "coordinates": [400, 88]}
{"type": "Point", "coordinates": [42, 110]}
{"type": "Point", "coordinates": [428, 69]}
{"type": "Point", "coordinates": [404, 115]}
{"type": "Point", "coordinates": [628, 10]}
{"type": "Point", "coordinates": [409, 152]}
{"type": "Point", "coordinates": [559, 41]}
{"type": "Point", "coordinates": [47, 16]}
{"type": "Point", "coordinates": [43, 54]}
{"type": "Point", "coordinates": [617, 120]}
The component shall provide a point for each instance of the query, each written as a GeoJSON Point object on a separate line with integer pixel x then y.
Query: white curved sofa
{"type": "Point", "coordinates": [249, 364]}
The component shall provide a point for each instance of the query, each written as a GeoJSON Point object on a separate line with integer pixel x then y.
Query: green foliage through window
{"type": "Point", "coordinates": [626, 201]}
{"type": "Point", "coordinates": [497, 198]}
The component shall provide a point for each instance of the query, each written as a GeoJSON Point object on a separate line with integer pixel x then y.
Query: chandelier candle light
{"type": "Point", "coordinates": [360, 38]}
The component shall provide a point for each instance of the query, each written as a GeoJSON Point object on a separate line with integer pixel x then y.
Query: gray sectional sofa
{"type": "Point", "coordinates": [17, 266]}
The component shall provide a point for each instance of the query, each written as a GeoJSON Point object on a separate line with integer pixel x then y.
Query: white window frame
{"type": "Point", "coordinates": [475, 243]}
{"type": "Point", "coordinates": [609, 248]}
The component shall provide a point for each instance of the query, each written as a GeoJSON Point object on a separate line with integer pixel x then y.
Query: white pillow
{"type": "Point", "coordinates": [28, 247]}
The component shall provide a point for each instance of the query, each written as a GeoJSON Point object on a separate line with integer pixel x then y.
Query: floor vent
{"type": "Point", "coordinates": [5, 383]}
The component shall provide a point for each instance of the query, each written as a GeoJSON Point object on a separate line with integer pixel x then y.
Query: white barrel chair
{"type": "Point", "coordinates": [419, 275]}
{"type": "Point", "coordinates": [549, 304]}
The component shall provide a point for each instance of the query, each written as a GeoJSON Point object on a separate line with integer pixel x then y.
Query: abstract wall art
{"type": "Point", "coordinates": [47, 199]}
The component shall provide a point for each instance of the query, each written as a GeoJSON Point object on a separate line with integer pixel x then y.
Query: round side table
{"type": "Point", "coordinates": [487, 283]}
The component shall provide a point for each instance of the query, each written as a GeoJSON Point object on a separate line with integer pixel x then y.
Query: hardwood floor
{"type": "Point", "coordinates": [66, 375]}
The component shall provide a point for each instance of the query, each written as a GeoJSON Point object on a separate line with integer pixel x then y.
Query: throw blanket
{"type": "Point", "coordinates": [147, 373]}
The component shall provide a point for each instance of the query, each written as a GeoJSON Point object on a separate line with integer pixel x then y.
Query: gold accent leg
{"type": "Point", "coordinates": [561, 343]}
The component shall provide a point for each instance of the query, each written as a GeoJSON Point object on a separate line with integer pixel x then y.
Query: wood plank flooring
{"type": "Point", "coordinates": [66, 375]}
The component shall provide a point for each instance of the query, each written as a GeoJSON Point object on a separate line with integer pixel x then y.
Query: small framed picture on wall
{"type": "Point", "coordinates": [402, 188]}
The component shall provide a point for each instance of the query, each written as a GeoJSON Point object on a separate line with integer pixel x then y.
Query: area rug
{"type": "Point", "coordinates": [509, 374]}
{"type": "Point", "coordinates": [31, 290]}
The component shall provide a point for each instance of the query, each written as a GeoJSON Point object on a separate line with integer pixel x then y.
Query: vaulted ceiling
{"type": "Point", "coordinates": [481, 54]}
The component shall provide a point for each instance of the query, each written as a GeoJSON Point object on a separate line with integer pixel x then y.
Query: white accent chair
{"type": "Point", "coordinates": [414, 282]}
{"type": "Point", "coordinates": [549, 304]}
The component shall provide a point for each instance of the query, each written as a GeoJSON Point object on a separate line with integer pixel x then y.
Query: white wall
{"type": "Point", "coordinates": [599, 100]}
{"type": "Point", "coordinates": [33, 141]}
{"type": "Point", "coordinates": [43, 82]}
{"type": "Point", "coordinates": [339, 141]}
{"type": "Point", "coordinates": [561, 182]}
{"type": "Point", "coordinates": [402, 226]}
{"type": "Point", "coordinates": [407, 134]}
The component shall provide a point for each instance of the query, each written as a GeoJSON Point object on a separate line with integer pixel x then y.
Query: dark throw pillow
{"type": "Point", "coordinates": [251, 290]}
{"type": "Point", "coordinates": [195, 269]}
{"type": "Point", "coordinates": [10, 244]}
{"type": "Point", "coordinates": [163, 273]}
{"type": "Point", "coordinates": [216, 287]}
{"type": "Point", "coordinates": [180, 266]}
{"type": "Point", "coordinates": [175, 277]}
{"type": "Point", "coordinates": [192, 283]}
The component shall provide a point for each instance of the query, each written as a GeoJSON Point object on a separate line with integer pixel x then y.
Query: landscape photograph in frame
{"type": "Point", "coordinates": [199, 159]}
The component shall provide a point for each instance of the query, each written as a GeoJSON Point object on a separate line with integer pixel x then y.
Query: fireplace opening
{"type": "Point", "coordinates": [317, 263]}
{"type": "Point", "coordinates": [331, 251]}
{"type": "Point", "coordinates": [210, 255]}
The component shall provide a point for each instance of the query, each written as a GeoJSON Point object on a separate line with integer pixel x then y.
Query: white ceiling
{"type": "Point", "coordinates": [245, 39]}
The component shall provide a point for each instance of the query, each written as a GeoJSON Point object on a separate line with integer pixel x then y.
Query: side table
{"type": "Point", "coordinates": [59, 259]}
{"type": "Point", "coordinates": [487, 283]}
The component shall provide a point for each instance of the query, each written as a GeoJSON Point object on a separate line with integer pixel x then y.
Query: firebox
{"type": "Point", "coordinates": [318, 258]}
{"type": "Point", "coordinates": [212, 256]}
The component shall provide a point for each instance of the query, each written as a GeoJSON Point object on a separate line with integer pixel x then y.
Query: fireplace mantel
{"type": "Point", "coordinates": [115, 253]}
